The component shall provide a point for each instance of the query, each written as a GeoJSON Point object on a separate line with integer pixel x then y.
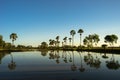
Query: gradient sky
{"type": "Point", "coordinates": [35, 21]}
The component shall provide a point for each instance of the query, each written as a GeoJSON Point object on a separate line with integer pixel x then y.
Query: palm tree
{"type": "Point", "coordinates": [13, 36]}
{"type": "Point", "coordinates": [57, 40]}
{"type": "Point", "coordinates": [72, 33]}
{"type": "Point", "coordinates": [65, 40]}
{"type": "Point", "coordinates": [80, 31]}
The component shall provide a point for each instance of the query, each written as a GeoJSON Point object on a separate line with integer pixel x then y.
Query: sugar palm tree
{"type": "Point", "coordinates": [65, 40]}
{"type": "Point", "coordinates": [13, 36]}
{"type": "Point", "coordinates": [80, 31]}
{"type": "Point", "coordinates": [72, 33]}
{"type": "Point", "coordinates": [57, 41]}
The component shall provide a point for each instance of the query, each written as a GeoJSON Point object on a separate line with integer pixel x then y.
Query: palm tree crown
{"type": "Point", "coordinates": [72, 33]}
{"type": "Point", "coordinates": [13, 36]}
{"type": "Point", "coordinates": [80, 31]}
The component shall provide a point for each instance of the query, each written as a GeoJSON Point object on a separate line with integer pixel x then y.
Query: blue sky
{"type": "Point", "coordinates": [35, 21]}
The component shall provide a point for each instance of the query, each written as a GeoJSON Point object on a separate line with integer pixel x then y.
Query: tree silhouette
{"type": "Point", "coordinates": [65, 40]}
{"type": "Point", "coordinates": [51, 42]}
{"type": "Point", "coordinates": [57, 40]}
{"type": "Point", "coordinates": [90, 39]}
{"type": "Point", "coordinates": [111, 39]}
{"type": "Point", "coordinates": [70, 41]}
{"type": "Point", "coordinates": [44, 45]}
{"type": "Point", "coordinates": [1, 40]}
{"type": "Point", "coordinates": [80, 31]}
{"type": "Point", "coordinates": [95, 38]}
{"type": "Point", "coordinates": [13, 36]}
{"type": "Point", "coordinates": [72, 33]}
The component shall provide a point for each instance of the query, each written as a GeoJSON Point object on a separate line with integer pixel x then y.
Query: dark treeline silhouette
{"type": "Point", "coordinates": [89, 43]}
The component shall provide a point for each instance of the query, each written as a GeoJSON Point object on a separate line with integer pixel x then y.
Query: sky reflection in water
{"type": "Point", "coordinates": [87, 63]}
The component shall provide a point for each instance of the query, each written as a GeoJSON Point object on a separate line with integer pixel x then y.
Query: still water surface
{"type": "Point", "coordinates": [59, 65]}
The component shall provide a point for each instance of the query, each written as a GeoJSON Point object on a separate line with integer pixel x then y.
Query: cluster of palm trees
{"type": "Point", "coordinates": [56, 42]}
{"type": "Point", "coordinates": [53, 42]}
{"type": "Point", "coordinates": [88, 41]}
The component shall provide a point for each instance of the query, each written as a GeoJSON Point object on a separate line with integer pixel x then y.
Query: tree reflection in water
{"type": "Point", "coordinates": [57, 57]}
{"type": "Point", "coordinates": [70, 59]}
{"type": "Point", "coordinates": [65, 57]}
{"type": "Point", "coordinates": [82, 69]}
{"type": "Point", "coordinates": [54, 55]}
{"type": "Point", "coordinates": [12, 65]}
{"type": "Point", "coordinates": [113, 64]}
{"type": "Point", "coordinates": [93, 62]}
{"type": "Point", "coordinates": [44, 52]}
{"type": "Point", "coordinates": [2, 55]}
{"type": "Point", "coordinates": [104, 56]}
{"type": "Point", "coordinates": [51, 54]}
{"type": "Point", "coordinates": [73, 66]}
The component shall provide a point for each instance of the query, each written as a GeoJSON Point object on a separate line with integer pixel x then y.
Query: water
{"type": "Point", "coordinates": [59, 65]}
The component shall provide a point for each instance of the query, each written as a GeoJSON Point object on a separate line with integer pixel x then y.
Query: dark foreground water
{"type": "Point", "coordinates": [59, 65]}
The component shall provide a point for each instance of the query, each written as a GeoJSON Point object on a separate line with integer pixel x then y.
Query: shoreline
{"type": "Point", "coordinates": [100, 50]}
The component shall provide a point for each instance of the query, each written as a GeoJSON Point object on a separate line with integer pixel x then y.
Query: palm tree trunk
{"type": "Point", "coordinates": [80, 40]}
{"type": "Point", "coordinates": [72, 41]}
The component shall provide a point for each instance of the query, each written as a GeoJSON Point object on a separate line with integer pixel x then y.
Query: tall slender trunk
{"type": "Point", "coordinates": [80, 40]}
{"type": "Point", "coordinates": [72, 41]}
{"type": "Point", "coordinates": [12, 42]}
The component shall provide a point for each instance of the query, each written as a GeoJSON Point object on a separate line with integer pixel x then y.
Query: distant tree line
{"type": "Point", "coordinates": [89, 41]}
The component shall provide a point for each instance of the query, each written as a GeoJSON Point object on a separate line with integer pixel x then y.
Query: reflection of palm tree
{"type": "Point", "coordinates": [112, 64]}
{"type": "Point", "coordinates": [73, 66]}
{"type": "Point", "coordinates": [82, 69]}
{"type": "Point", "coordinates": [57, 58]}
{"type": "Point", "coordinates": [65, 58]}
{"type": "Point", "coordinates": [105, 56]}
{"type": "Point", "coordinates": [12, 65]}
{"type": "Point", "coordinates": [70, 59]}
{"type": "Point", "coordinates": [51, 54]}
